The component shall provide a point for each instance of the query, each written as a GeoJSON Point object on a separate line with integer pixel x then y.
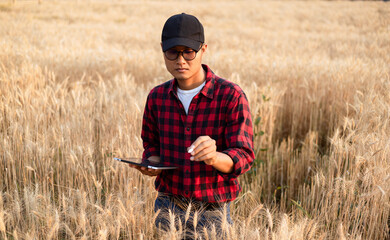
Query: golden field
{"type": "Point", "coordinates": [74, 76]}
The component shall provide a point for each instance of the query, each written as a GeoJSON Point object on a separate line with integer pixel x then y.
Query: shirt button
{"type": "Point", "coordinates": [188, 129]}
{"type": "Point", "coordinates": [186, 171]}
{"type": "Point", "coordinates": [187, 192]}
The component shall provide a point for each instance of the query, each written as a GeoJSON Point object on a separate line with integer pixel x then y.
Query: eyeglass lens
{"type": "Point", "coordinates": [173, 54]}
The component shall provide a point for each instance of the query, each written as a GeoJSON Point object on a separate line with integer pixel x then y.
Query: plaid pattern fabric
{"type": "Point", "coordinates": [221, 111]}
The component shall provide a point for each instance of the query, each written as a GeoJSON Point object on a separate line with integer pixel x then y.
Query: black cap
{"type": "Point", "coordinates": [182, 30]}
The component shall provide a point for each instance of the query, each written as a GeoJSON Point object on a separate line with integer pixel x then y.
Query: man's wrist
{"type": "Point", "coordinates": [223, 163]}
{"type": "Point", "coordinates": [218, 158]}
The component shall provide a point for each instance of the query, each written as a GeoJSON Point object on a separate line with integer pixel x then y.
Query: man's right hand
{"type": "Point", "coordinates": [148, 171]}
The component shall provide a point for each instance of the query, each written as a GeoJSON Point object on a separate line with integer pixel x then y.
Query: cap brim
{"type": "Point", "coordinates": [173, 42]}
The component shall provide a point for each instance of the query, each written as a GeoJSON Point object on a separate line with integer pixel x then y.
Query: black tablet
{"type": "Point", "coordinates": [147, 164]}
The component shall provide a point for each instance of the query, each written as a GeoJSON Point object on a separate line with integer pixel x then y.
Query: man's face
{"type": "Point", "coordinates": [182, 69]}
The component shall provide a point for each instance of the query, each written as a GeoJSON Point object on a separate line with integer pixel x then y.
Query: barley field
{"type": "Point", "coordinates": [74, 76]}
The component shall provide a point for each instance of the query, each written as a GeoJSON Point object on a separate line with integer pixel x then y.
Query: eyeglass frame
{"type": "Point", "coordinates": [182, 54]}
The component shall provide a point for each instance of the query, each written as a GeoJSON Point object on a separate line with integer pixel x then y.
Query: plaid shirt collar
{"type": "Point", "coordinates": [207, 90]}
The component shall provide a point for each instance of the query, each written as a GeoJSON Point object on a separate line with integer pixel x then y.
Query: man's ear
{"type": "Point", "coordinates": [204, 47]}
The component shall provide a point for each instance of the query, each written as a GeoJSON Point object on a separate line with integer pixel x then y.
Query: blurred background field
{"type": "Point", "coordinates": [74, 76]}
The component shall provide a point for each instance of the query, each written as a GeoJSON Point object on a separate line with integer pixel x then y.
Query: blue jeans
{"type": "Point", "coordinates": [207, 218]}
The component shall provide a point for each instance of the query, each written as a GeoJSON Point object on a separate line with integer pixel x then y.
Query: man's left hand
{"type": "Point", "coordinates": [204, 149]}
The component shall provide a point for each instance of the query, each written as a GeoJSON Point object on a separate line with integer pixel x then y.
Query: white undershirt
{"type": "Point", "coordinates": [186, 96]}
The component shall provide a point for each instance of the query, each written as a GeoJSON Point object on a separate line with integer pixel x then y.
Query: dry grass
{"type": "Point", "coordinates": [74, 77]}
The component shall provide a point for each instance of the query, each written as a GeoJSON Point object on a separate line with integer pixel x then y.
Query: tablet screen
{"type": "Point", "coordinates": [146, 163]}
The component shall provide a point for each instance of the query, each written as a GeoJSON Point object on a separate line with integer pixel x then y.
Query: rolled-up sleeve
{"type": "Point", "coordinates": [150, 133]}
{"type": "Point", "coordinates": [239, 135]}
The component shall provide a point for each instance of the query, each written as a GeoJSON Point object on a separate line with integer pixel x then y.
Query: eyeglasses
{"type": "Point", "coordinates": [188, 54]}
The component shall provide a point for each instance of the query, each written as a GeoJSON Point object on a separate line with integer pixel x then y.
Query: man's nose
{"type": "Point", "coordinates": [180, 58]}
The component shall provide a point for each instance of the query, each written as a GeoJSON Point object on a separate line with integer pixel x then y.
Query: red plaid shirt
{"type": "Point", "coordinates": [221, 111]}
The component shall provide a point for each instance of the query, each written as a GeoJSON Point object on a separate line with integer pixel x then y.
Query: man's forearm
{"type": "Point", "coordinates": [223, 163]}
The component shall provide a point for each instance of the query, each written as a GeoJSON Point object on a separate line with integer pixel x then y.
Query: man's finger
{"type": "Point", "coordinates": [134, 166]}
{"type": "Point", "coordinates": [146, 171]}
{"type": "Point", "coordinates": [206, 151]}
{"type": "Point", "coordinates": [197, 142]}
{"type": "Point", "coordinates": [210, 143]}
{"type": "Point", "coordinates": [153, 172]}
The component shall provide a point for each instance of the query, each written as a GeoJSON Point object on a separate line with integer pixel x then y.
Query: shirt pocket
{"type": "Point", "coordinates": [217, 133]}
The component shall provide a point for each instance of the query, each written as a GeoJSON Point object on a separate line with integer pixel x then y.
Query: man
{"type": "Point", "coordinates": [200, 123]}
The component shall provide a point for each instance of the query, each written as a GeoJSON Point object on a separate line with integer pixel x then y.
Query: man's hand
{"type": "Point", "coordinates": [148, 171]}
{"type": "Point", "coordinates": [205, 149]}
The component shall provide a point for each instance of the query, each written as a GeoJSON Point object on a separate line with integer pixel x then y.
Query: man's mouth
{"type": "Point", "coordinates": [181, 70]}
